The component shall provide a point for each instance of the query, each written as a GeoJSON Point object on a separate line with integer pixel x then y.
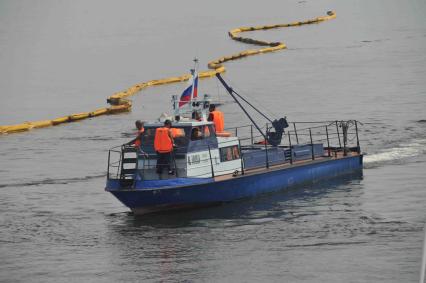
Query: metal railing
{"type": "Point", "coordinates": [339, 136]}
{"type": "Point", "coordinates": [114, 162]}
{"type": "Point", "coordinates": [332, 132]}
{"type": "Point", "coordinates": [335, 136]}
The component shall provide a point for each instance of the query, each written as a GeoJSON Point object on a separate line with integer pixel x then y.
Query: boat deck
{"type": "Point", "coordinates": [252, 171]}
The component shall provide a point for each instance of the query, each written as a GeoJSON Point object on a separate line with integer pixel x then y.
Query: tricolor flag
{"type": "Point", "coordinates": [190, 92]}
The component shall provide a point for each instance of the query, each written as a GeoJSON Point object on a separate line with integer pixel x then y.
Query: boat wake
{"type": "Point", "coordinates": [49, 181]}
{"type": "Point", "coordinates": [399, 153]}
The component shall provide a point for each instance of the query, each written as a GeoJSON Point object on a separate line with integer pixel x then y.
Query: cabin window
{"type": "Point", "coordinates": [178, 133]}
{"type": "Point", "coordinates": [206, 131]}
{"type": "Point", "coordinates": [201, 132]}
{"type": "Point", "coordinates": [197, 133]}
{"type": "Point", "coordinates": [180, 136]}
{"type": "Point", "coordinates": [229, 153]}
{"type": "Point", "coordinates": [148, 136]}
{"type": "Point", "coordinates": [209, 131]}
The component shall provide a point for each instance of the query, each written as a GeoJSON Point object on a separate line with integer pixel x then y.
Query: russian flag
{"type": "Point", "coordinates": [190, 91]}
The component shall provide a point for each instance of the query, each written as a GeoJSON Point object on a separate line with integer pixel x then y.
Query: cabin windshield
{"type": "Point", "coordinates": [202, 132]}
{"type": "Point", "coordinates": [187, 139]}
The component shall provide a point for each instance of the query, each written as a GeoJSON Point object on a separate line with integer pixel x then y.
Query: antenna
{"type": "Point", "coordinates": [195, 63]}
{"type": "Point", "coordinates": [195, 69]}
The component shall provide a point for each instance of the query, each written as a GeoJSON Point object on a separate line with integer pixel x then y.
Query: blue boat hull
{"type": "Point", "coordinates": [143, 200]}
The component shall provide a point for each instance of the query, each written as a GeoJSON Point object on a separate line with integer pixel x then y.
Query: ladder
{"type": "Point", "coordinates": [129, 164]}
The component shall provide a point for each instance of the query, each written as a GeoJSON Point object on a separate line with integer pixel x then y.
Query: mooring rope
{"type": "Point", "coordinates": [120, 103]}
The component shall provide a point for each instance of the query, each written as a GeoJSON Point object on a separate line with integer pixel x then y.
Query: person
{"type": "Point", "coordinates": [177, 132]}
{"type": "Point", "coordinates": [163, 145]}
{"type": "Point", "coordinates": [137, 141]}
{"type": "Point", "coordinates": [216, 117]}
{"type": "Point", "coordinates": [196, 116]}
{"type": "Point", "coordinates": [196, 134]}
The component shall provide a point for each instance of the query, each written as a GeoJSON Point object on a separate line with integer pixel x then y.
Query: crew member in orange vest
{"type": "Point", "coordinates": [177, 132]}
{"type": "Point", "coordinates": [163, 145]}
{"type": "Point", "coordinates": [217, 118]}
{"type": "Point", "coordinates": [137, 141]}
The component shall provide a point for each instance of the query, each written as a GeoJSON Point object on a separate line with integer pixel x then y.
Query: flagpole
{"type": "Point", "coordinates": [193, 73]}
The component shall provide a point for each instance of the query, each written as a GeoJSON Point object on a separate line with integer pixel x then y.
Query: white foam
{"type": "Point", "coordinates": [412, 149]}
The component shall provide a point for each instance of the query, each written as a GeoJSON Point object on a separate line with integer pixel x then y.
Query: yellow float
{"type": "Point", "coordinates": [121, 104]}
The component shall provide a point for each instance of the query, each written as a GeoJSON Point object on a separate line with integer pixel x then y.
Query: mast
{"type": "Point", "coordinates": [194, 73]}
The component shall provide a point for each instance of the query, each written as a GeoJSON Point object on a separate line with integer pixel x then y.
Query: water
{"type": "Point", "coordinates": [60, 57]}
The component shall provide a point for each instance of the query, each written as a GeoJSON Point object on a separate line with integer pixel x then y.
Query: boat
{"type": "Point", "coordinates": [240, 162]}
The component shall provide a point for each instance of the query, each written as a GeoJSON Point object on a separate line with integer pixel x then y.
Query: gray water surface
{"type": "Point", "coordinates": [60, 57]}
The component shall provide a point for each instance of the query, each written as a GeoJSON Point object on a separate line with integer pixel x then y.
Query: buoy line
{"type": "Point", "coordinates": [120, 103]}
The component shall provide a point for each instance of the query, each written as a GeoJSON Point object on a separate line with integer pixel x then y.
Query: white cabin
{"type": "Point", "coordinates": [200, 155]}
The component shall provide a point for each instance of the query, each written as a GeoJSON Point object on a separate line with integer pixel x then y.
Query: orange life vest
{"type": "Point", "coordinates": [162, 141]}
{"type": "Point", "coordinates": [138, 141]}
{"type": "Point", "coordinates": [218, 120]}
{"type": "Point", "coordinates": [177, 132]}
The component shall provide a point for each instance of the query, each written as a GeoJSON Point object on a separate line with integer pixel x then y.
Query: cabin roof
{"type": "Point", "coordinates": [180, 123]}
